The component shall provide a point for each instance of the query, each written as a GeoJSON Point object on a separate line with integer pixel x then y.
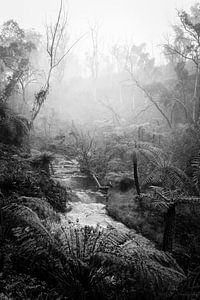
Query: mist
{"type": "Point", "coordinates": [100, 149]}
{"type": "Point", "coordinates": [93, 82]}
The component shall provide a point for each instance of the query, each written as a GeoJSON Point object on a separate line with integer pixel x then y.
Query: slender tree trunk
{"type": "Point", "coordinates": [135, 172]}
{"type": "Point", "coordinates": [196, 97]}
{"type": "Point", "coordinates": [169, 230]}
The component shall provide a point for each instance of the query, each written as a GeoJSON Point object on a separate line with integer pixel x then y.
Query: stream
{"type": "Point", "coordinates": [89, 207]}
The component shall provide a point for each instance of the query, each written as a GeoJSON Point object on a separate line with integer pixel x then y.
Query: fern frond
{"type": "Point", "coordinates": [190, 287]}
{"type": "Point", "coordinates": [83, 242]}
{"type": "Point", "coordinates": [19, 215]}
{"type": "Point", "coordinates": [196, 170]}
{"type": "Point", "coordinates": [156, 269]}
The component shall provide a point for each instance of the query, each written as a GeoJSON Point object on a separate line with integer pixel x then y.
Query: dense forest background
{"type": "Point", "coordinates": [133, 127]}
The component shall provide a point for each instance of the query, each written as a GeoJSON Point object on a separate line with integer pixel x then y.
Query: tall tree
{"type": "Point", "coordinates": [93, 58]}
{"type": "Point", "coordinates": [185, 48]}
{"type": "Point", "coordinates": [54, 36]}
{"type": "Point", "coordinates": [141, 69]}
{"type": "Point", "coordinates": [15, 53]}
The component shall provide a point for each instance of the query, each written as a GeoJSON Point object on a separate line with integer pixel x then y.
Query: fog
{"type": "Point", "coordinates": [105, 44]}
{"type": "Point", "coordinates": [99, 149]}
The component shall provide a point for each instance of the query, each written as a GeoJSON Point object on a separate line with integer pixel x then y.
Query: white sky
{"type": "Point", "coordinates": [120, 20]}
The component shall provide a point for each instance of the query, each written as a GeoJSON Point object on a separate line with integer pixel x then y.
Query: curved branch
{"type": "Point", "coordinates": [148, 95]}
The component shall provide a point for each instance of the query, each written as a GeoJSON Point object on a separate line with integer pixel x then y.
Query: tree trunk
{"type": "Point", "coordinates": [169, 229]}
{"type": "Point", "coordinates": [135, 171]}
{"type": "Point", "coordinates": [196, 98]}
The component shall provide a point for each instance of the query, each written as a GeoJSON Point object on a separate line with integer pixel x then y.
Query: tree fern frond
{"type": "Point", "coordinates": [20, 215]}
{"type": "Point", "coordinates": [190, 287]}
{"type": "Point", "coordinates": [188, 200]}
{"type": "Point", "coordinates": [83, 242]}
{"type": "Point", "coordinates": [156, 269]}
{"type": "Point", "coordinates": [196, 170]}
{"type": "Point", "coordinates": [154, 178]}
{"type": "Point", "coordinates": [169, 176]}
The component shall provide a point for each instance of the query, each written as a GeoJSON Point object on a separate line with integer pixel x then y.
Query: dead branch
{"type": "Point", "coordinates": [149, 96]}
{"type": "Point", "coordinates": [111, 109]}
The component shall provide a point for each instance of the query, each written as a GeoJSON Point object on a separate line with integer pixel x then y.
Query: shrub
{"type": "Point", "coordinates": [17, 176]}
{"type": "Point", "coordinates": [13, 128]}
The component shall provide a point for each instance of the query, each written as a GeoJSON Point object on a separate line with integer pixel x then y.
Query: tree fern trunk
{"type": "Point", "coordinates": [169, 229]}
{"type": "Point", "coordinates": [135, 171]}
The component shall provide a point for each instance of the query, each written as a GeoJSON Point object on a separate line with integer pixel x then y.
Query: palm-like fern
{"type": "Point", "coordinates": [168, 201]}
{"type": "Point", "coordinates": [114, 259]}
{"type": "Point", "coordinates": [166, 175]}
{"type": "Point", "coordinates": [136, 149]}
{"type": "Point", "coordinates": [88, 263]}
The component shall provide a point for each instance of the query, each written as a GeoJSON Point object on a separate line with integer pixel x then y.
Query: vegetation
{"type": "Point", "coordinates": [149, 173]}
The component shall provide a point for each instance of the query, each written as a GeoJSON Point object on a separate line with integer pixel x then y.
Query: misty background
{"type": "Point", "coordinates": [110, 41]}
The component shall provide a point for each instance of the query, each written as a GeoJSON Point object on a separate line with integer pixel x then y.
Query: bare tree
{"type": "Point", "coordinates": [137, 62]}
{"type": "Point", "coordinates": [108, 105]}
{"type": "Point", "coordinates": [94, 58]}
{"type": "Point", "coordinates": [54, 35]}
{"type": "Point", "coordinates": [152, 100]}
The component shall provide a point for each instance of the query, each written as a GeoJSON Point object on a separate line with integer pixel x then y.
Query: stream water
{"type": "Point", "coordinates": [90, 207]}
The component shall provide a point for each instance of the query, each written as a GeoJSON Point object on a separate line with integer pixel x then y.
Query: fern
{"type": "Point", "coordinates": [168, 176]}
{"type": "Point", "coordinates": [196, 171]}
{"type": "Point", "coordinates": [190, 287]}
{"type": "Point", "coordinates": [39, 205]}
{"type": "Point", "coordinates": [127, 261]}
{"type": "Point", "coordinates": [20, 215]}
{"type": "Point", "coordinates": [42, 161]}
{"type": "Point", "coordinates": [83, 242]}
{"type": "Point", "coordinates": [88, 263]}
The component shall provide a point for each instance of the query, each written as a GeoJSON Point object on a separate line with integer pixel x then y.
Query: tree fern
{"type": "Point", "coordinates": [126, 260]}
{"type": "Point", "coordinates": [88, 263]}
{"type": "Point", "coordinates": [165, 174]}
{"type": "Point", "coordinates": [147, 150]}
{"type": "Point", "coordinates": [167, 201]}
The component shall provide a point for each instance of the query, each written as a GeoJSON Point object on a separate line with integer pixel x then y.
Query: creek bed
{"type": "Point", "coordinates": [90, 208]}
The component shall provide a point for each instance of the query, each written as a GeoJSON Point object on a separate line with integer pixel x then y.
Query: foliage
{"type": "Point", "coordinates": [184, 145]}
{"type": "Point", "coordinates": [168, 176]}
{"type": "Point", "coordinates": [91, 151]}
{"type": "Point", "coordinates": [83, 263]}
{"type": "Point", "coordinates": [185, 49]}
{"type": "Point", "coordinates": [43, 162]}
{"type": "Point", "coordinates": [196, 171]}
{"type": "Point", "coordinates": [15, 56]}
{"type": "Point", "coordinates": [22, 286]}
{"type": "Point", "coordinates": [136, 214]}
{"type": "Point", "coordinates": [18, 177]}
{"type": "Point", "coordinates": [13, 128]}
{"type": "Point", "coordinates": [91, 262]}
